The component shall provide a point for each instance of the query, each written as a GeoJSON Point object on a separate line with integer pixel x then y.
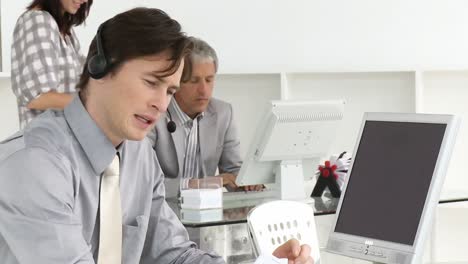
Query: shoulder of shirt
{"type": "Point", "coordinates": [34, 15]}
{"type": "Point", "coordinates": [49, 131]}
{"type": "Point", "coordinates": [217, 106]}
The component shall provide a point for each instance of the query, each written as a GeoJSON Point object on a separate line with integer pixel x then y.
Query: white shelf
{"type": "Point", "coordinates": [4, 75]}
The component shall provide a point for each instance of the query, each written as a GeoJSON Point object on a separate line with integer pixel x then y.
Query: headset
{"type": "Point", "coordinates": [97, 64]}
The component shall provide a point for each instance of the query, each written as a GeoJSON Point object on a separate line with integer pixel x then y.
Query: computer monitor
{"type": "Point", "coordinates": [393, 186]}
{"type": "Point", "coordinates": [289, 132]}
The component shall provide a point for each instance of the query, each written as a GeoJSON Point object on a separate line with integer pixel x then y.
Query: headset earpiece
{"type": "Point", "coordinates": [97, 64]}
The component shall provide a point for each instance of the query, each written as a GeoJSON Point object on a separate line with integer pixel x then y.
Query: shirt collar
{"type": "Point", "coordinates": [182, 117]}
{"type": "Point", "coordinates": [97, 147]}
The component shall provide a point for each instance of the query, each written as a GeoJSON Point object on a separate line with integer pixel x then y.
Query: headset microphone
{"type": "Point", "coordinates": [171, 125]}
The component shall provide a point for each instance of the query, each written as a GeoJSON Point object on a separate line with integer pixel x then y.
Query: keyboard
{"type": "Point", "coordinates": [250, 195]}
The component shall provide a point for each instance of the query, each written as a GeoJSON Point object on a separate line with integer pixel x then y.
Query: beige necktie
{"type": "Point", "coordinates": [110, 235]}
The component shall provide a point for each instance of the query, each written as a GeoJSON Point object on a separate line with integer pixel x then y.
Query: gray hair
{"type": "Point", "coordinates": [201, 52]}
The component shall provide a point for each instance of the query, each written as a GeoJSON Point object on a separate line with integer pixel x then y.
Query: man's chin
{"type": "Point", "coordinates": [133, 138]}
{"type": "Point", "coordinates": [202, 107]}
{"type": "Point", "coordinates": [137, 136]}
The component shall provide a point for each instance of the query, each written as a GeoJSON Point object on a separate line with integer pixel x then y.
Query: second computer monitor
{"type": "Point", "coordinates": [288, 133]}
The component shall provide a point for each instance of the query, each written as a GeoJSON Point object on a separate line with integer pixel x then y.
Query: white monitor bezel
{"type": "Point", "coordinates": [432, 198]}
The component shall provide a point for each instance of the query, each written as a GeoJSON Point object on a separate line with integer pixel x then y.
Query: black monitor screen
{"type": "Point", "coordinates": [390, 179]}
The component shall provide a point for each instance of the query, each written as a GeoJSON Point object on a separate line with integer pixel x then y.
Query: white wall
{"type": "Point", "coordinates": [8, 110]}
{"type": "Point", "coordinates": [305, 35]}
{"type": "Point", "coordinates": [447, 92]}
{"type": "Point", "coordinates": [309, 35]}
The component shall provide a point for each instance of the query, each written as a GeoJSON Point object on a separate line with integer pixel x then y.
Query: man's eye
{"type": "Point", "coordinates": [171, 92]}
{"type": "Point", "coordinates": [150, 83]}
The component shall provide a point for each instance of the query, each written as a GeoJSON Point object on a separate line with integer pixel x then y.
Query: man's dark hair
{"type": "Point", "coordinates": [64, 21]}
{"type": "Point", "coordinates": [136, 33]}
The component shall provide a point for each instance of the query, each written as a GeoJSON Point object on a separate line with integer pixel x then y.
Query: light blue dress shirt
{"type": "Point", "coordinates": [49, 196]}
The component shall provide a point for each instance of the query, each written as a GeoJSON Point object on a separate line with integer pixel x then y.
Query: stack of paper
{"type": "Point", "coordinates": [201, 198]}
{"type": "Point", "coordinates": [269, 259]}
{"type": "Point", "coordinates": [207, 215]}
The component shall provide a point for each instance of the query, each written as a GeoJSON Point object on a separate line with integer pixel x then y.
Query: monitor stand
{"type": "Point", "coordinates": [290, 180]}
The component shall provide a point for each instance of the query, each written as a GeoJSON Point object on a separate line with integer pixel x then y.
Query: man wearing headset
{"type": "Point", "coordinates": [83, 184]}
{"type": "Point", "coordinates": [199, 131]}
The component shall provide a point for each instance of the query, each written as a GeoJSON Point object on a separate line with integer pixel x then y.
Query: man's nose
{"type": "Point", "coordinates": [161, 102]}
{"type": "Point", "coordinates": [203, 87]}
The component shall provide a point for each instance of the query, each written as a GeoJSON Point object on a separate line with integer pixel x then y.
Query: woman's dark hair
{"type": "Point", "coordinates": [64, 21]}
{"type": "Point", "coordinates": [136, 33]}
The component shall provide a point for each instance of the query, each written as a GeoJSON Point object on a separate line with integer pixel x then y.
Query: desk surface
{"type": "Point", "coordinates": [227, 234]}
{"type": "Point", "coordinates": [237, 211]}
{"type": "Point", "coordinates": [451, 196]}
